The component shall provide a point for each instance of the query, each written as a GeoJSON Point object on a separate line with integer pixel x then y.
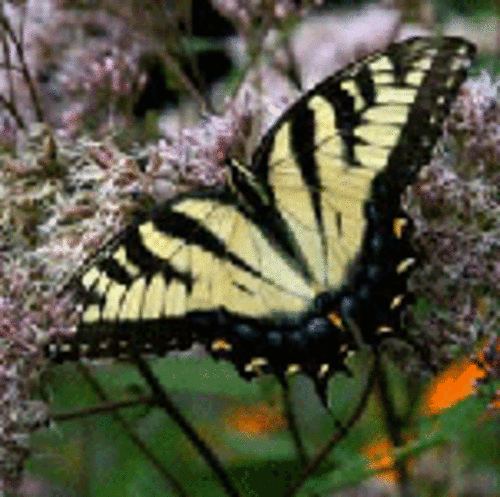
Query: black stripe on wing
{"type": "Point", "coordinates": [425, 121]}
{"type": "Point", "coordinates": [256, 202]}
{"type": "Point", "coordinates": [140, 256]}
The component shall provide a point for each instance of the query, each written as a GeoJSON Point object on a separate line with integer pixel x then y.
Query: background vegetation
{"type": "Point", "coordinates": [110, 107]}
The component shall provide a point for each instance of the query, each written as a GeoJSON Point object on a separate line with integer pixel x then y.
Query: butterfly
{"type": "Point", "coordinates": [305, 252]}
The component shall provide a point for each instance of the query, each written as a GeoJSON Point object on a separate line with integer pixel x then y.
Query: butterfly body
{"type": "Point", "coordinates": [306, 252]}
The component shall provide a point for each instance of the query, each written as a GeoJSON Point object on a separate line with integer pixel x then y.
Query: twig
{"type": "Point", "coordinates": [12, 109]}
{"type": "Point", "coordinates": [292, 425]}
{"type": "Point", "coordinates": [4, 23]}
{"type": "Point", "coordinates": [343, 431]}
{"type": "Point", "coordinates": [162, 400]}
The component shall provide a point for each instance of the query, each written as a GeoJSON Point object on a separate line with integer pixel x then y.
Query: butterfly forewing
{"type": "Point", "coordinates": [383, 114]}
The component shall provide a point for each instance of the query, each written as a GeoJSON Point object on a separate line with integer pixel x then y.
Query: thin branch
{"type": "Point", "coordinates": [162, 400]}
{"type": "Point", "coordinates": [343, 431]}
{"type": "Point", "coordinates": [394, 424]}
{"type": "Point", "coordinates": [292, 425]}
{"type": "Point", "coordinates": [10, 67]}
{"type": "Point", "coordinates": [150, 456]}
{"type": "Point", "coordinates": [186, 83]}
{"type": "Point", "coordinates": [103, 408]}
{"type": "Point", "coordinates": [4, 23]}
{"type": "Point", "coordinates": [6, 54]}
{"type": "Point", "coordinates": [12, 109]}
